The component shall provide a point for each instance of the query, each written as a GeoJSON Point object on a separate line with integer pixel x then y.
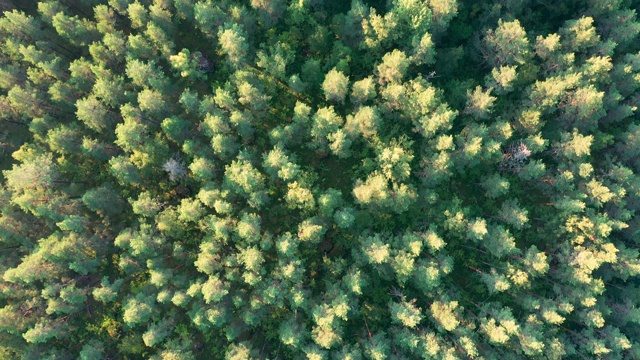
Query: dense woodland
{"type": "Point", "coordinates": [313, 179]}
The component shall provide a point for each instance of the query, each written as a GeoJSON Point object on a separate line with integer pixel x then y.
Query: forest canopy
{"type": "Point", "coordinates": [317, 179]}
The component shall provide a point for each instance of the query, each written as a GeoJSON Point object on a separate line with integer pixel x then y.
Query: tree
{"type": "Point", "coordinates": [233, 44]}
{"type": "Point", "coordinates": [395, 163]}
{"type": "Point", "coordinates": [423, 50]}
{"type": "Point", "coordinates": [276, 62]}
{"type": "Point", "coordinates": [208, 16]}
{"type": "Point", "coordinates": [249, 228]}
{"type": "Point", "coordinates": [340, 144]}
{"type": "Point", "coordinates": [130, 134]}
{"type": "Point", "coordinates": [278, 165]}
{"type": "Point", "coordinates": [325, 122]}
{"type": "Point", "coordinates": [202, 169]}
{"type": "Point", "coordinates": [111, 90]}
{"type": "Point", "coordinates": [138, 15]}
{"type": "Point", "coordinates": [344, 218]}
{"type": "Point", "coordinates": [251, 97]}
{"type": "Point", "coordinates": [363, 90]}
{"type": "Point", "coordinates": [64, 139]}
{"type": "Point", "coordinates": [138, 310]}
{"type": "Point", "coordinates": [393, 67]}
{"type": "Point", "coordinates": [495, 186]}
{"type": "Point", "coordinates": [584, 107]}
{"type": "Point", "coordinates": [190, 210]}
{"type": "Point", "coordinates": [107, 292]}
{"type": "Point", "coordinates": [124, 170]}
{"type": "Point", "coordinates": [378, 348]}
{"type": "Point", "coordinates": [26, 101]}
{"type": "Point", "coordinates": [513, 215]}
{"type": "Point", "coordinates": [300, 197]}
{"type": "Point", "coordinates": [139, 47]}
{"type": "Point", "coordinates": [43, 331]}
{"type": "Point", "coordinates": [502, 78]}
{"type": "Point", "coordinates": [152, 102]}
{"type": "Point", "coordinates": [310, 231]}
{"type": "Point", "coordinates": [579, 33]}
{"type": "Point", "coordinates": [443, 12]}
{"type": "Point", "coordinates": [245, 180]}
{"type": "Point", "coordinates": [373, 190]}
{"type": "Point", "coordinates": [146, 74]}
{"type": "Point", "coordinates": [379, 30]}
{"type": "Point", "coordinates": [575, 145]}
{"type": "Point", "coordinates": [38, 172]}
{"type": "Point", "coordinates": [93, 350]}
{"type": "Point", "coordinates": [187, 65]}
{"type": "Point", "coordinates": [335, 86]}
{"type": "Point", "coordinates": [21, 25]}
{"type": "Point", "coordinates": [157, 332]}
{"type": "Point", "coordinates": [444, 315]}
{"type": "Point", "coordinates": [507, 44]}
{"type": "Point", "coordinates": [93, 114]}
{"type": "Point", "coordinates": [299, 182]}
{"type": "Point", "coordinates": [270, 10]}
{"type": "Point", "coordinates": [104, 200]}
{"type": "Point", "coordinates": [214, 290]}
{"type": "Point", "coordinates": [366, 121]}
{"type": "Point", "coordinates": [184, 8]}
{"type": "Point", "coordinates": [479, 103]}
{"type": "Point", "coordinates": [78, 32]}
{"type": "Point", "coordinates": [175, 128]}
{"type": "Point", "coordinates": [105, 19]}
{"type": "Point", "coordinates": [160, 39]}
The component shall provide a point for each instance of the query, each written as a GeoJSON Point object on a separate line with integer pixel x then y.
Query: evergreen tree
{"type": "Point", "coordinates": [199, 179]}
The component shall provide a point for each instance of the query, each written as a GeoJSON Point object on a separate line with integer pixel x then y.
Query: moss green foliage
{"type": "Point", "coordinates": [276, 179]}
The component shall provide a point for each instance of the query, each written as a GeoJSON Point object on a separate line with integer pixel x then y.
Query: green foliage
{"type": "Point", "coordinates": [305, 179]}
{"type": "Point", "coordinates": [103, 200]}
{"type": "Point", "coordinates": [335, 86]}
{"type": "Point", "coordinates": [507, 44]}
{"type": "Point", "coordinates": [92, 113]}
{"type": "Point", "coordinates": [137, 310]}
{"type": "Point", "coordinates": [94, 350]}
{"type": "Point", "coordinates": [363, 90]}
{"type": "Point", "coordinates": [233, 43]}
{"type": "Point", "coordinates": [107, 292]}
{"type": "Point", "coordinates": [245, 180]}
{"type": "Point", "coordinates": [405, 313]}
{"type": "Point", "coordinates": [443, 313]}
{"type": "Point", "coordinates": [393, 67]}
{"type": "Point", "coordinates": [479, 103]}
{"type": "Point", "coordinates": [187, 65]}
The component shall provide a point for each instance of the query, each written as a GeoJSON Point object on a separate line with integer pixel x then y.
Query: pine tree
{"type": "Point", "coordinates": [415, 179]}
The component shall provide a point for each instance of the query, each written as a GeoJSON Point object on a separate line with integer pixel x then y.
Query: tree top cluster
{"type": "Point", "coordinates": [315, 179]}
